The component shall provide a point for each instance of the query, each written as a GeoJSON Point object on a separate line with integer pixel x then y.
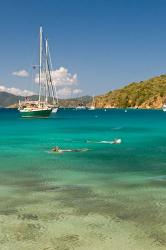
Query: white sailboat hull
{"type": "Point", "coordinates": [54, 110]}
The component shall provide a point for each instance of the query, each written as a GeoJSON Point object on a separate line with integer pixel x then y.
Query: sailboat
{"type": "Point", "coordinates": [81, 105]}
{"type": "Point", "coordinates": [47, 97]}
{"type": "Point", "coordinates": [92, 107]}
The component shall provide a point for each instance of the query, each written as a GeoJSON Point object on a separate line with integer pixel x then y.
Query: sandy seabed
{"type": "Point", "coordinates": [72, 218]}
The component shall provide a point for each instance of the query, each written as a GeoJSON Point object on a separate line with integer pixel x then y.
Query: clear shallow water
{"type": "Point", "coordinates": [110, 197]}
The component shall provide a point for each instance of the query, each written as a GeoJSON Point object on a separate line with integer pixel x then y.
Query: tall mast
{"type": "Point", "coordinates": [54, 86]}
{"type": "Point", "coordinates": [46, 86]}
{"type": "Point", "coordinates": [40, 62]}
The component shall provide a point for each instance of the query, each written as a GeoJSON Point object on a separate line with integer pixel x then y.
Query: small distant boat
{"type": "Point", "coordinates": [81, 106]}
{"type": "Point", "coordinates": [92, 107]}
{"type": "Point", "coordinates": [164, 107]}
{"type": "Point", "coordinates": [47, 99]}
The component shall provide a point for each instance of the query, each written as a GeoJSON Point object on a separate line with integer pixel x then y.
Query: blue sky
{"type": "Point", "coordinates": [107, 43]}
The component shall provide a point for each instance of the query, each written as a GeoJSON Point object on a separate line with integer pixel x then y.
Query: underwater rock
{"type": "Point", "coordinates": [28, 217]}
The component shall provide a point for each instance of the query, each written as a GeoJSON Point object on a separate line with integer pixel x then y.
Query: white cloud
{"type": "Point", "coordinates": [21, 73]}
{"type": "Point", "coordinates": [77, 91]}
{"type": "Point", "coordinates": [60, 77]}
{"type": "Point", "coordinates": [15, 91]}
{"type": "Point", "coordinates": [64, 92]}
{"type": "Point", "coordinates": [68, 92]}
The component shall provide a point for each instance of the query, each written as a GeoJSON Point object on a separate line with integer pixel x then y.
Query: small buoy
{"type": "Point", "coordinates": [105, 110]}
{"type": "Point", "coordinates": [125, 110]}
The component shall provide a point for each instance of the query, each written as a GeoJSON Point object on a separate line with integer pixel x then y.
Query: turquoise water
{"type": "Point", "coordinates": [109, 197]}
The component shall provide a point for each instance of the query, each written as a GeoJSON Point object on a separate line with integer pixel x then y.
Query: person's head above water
{"type": "Point", "coordinates": [56, 149]}
{"type": "Point", "coordinates": [117, 141]}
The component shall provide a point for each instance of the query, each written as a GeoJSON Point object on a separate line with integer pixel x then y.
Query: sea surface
{"type": "Point", "coordinates": [112, 196]}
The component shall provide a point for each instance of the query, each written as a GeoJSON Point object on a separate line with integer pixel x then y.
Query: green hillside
{"type": "Point", "coordinates": [145, 94]}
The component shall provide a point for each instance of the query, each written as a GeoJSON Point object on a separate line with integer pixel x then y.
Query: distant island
{"type": "Point", "coordinates": [8, 100]}
{"type": "Point", "coordinates": [148, 94]}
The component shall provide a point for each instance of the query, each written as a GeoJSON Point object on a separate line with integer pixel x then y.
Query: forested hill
{"type": "Point", "coordinates": [144, 94]}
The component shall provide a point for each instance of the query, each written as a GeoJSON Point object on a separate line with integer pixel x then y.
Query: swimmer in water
{"type": "Point", "coordinates": [58, 150]}
{"type": "Point", "coordinates": [116, 141]}
{"type": "Point", "coordinates": [55, 149]}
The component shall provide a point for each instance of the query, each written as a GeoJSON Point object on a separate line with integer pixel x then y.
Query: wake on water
{"type": "Point", "coordinates": [116, 141]}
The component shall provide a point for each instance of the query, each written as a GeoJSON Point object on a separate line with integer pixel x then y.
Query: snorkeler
{"type": "Point", "coordinates": [58, 150]}
{"type": "Point", "coordinates": [55, 149]}
{"type": "Point", "coordinates": [116, 141]}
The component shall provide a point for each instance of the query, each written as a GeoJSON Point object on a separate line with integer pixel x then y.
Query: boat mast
{"type": "Point", "coordinates": [40, 62]}
{"type": "Point", "coordinates": [93, 101]}
{"type": "Point", "coordinates": [46, 86]}
{"type": "Point", "coordinates": [49, 65]}
{"type": "Point", "coordinates": [54, 86]}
